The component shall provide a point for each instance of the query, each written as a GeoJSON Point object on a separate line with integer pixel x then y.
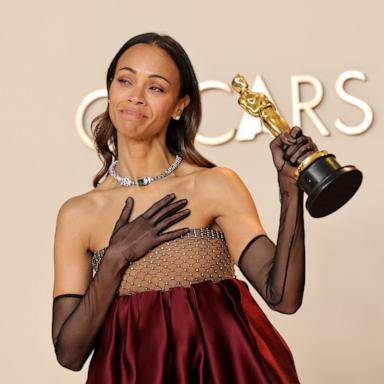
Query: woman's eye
{"type": "Point", "coordinates": [124, 81]}
{"type": "Point", "coordinates": [157, 89]}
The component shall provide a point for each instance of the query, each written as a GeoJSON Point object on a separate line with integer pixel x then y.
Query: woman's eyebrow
{"type": "Point", "coordinates": [151, 75]}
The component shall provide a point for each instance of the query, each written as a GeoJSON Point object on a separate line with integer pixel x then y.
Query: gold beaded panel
{"type": "Point", "coordinates": [199, 255]}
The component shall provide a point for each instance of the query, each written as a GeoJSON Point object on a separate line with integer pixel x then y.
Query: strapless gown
{"type": "Point", "coordinates": [181, 316]}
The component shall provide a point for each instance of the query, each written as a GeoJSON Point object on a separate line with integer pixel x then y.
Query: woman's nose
{"type": "Point", "coordinates": [136, 99]}
{"type": "Point", "coordinates": [136, 95]}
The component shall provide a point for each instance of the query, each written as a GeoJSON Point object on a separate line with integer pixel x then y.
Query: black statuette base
{"type": "Point", "coordinates": [328, 185]}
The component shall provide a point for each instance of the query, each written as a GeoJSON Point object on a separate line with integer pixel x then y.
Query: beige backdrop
{"type": "Point", "coordinates": [56, 52]}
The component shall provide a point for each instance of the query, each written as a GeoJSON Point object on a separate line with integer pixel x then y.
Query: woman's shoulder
{"type": "Point", "coordinates": [78, 206]}
{"type": "Point", "coordinates": [224, 189]}
{"type": "Point", "coordinates": [219, 179]}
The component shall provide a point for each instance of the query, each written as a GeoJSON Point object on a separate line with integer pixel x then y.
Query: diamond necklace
{"type": "Point", "coordinates": [126, 181]}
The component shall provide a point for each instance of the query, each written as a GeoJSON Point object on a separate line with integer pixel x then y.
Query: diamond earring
{"type": "Point", "coordinates": [178, 116]}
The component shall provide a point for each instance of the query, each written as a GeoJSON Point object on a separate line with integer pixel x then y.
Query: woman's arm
{"type": "Point", "coordinates": [277, 272]}
{"type": "Point", "coordinates": [80, 303]}
{"type": "Point", "coordinates": [78, 318]}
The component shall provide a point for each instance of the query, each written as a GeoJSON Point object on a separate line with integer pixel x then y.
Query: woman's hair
{"type": "Point", "coordinates": [181, 133]}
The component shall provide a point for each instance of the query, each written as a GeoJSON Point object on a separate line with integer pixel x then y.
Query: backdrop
{"type": "Point", "coordinates": [54, 53]}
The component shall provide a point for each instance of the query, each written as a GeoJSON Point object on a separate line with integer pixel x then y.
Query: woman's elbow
{"type": "Point", "coordinates": [287, 308]}
{"type": "Point", "coordinates": [67, 361]}
{"type": "Point", "coordinates": [72, 365]}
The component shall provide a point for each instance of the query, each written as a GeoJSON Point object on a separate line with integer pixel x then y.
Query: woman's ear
{"type": "Point", "coordinates": [186, 101]}
{"type": "Point", "coordinates": [181, 105]}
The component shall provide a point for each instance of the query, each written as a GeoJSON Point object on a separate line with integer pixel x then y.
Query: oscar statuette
{"type": "Point", "coordinates": [328, 185]}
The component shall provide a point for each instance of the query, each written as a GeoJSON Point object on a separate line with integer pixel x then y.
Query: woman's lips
{"type": "Point", "coordinates": [132, 113]}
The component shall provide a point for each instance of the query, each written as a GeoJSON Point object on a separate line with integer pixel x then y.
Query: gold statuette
{"type": "Point", "coordinates": [328, 185]}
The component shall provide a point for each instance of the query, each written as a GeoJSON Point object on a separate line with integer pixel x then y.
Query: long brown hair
{"type": "Point", "coordinates": [181, 133]}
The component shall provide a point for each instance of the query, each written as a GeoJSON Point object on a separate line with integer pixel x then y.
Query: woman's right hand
{"type": "Point", "coordinates": [132, 240]}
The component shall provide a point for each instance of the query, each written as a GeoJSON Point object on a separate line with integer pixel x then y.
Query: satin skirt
{"type": "Point", "coordinates": [210, 332]}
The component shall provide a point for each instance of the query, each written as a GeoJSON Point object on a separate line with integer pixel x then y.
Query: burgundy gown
{"type": "Point", "coordinates": [181, 316]}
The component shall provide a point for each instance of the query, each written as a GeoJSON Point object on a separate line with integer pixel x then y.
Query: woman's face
{"type": "Point", "coordinates": [144, 92]}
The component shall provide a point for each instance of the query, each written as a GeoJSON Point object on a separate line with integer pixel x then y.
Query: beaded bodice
{"type": "Point", "coordinates": [199, 255]}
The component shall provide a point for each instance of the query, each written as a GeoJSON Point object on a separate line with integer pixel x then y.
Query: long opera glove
{"type": "Point", "coordinates": [78, 318]}
{"type": "Point", "coordinates": [277, 272]}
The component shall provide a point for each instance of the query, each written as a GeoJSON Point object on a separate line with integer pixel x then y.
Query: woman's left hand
{"type": "Point", "coordinates": [289, 149]}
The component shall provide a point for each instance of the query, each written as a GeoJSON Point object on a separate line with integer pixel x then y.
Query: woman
{"type": "Point", "coordinates": [163, 304]}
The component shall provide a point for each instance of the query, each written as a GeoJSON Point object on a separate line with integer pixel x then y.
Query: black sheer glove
{"type": "Point", "coordinates": [77, 319]}
{"type": "Point", "coordinates": [277, 272]}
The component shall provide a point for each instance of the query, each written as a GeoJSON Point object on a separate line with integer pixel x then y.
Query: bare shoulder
{"type": "Point", "coordinates": [221, 179]}
{"type": "Point", "coordinates": [232, 206]}
{"type": "Point", "coordinates": [71, 256]}
{"type": "Point", "coordinates": [76, 208]}
{"type": "Point", "coordinates": [226, 191]}
{"type": "Point", "coordinates": [76, 204]}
